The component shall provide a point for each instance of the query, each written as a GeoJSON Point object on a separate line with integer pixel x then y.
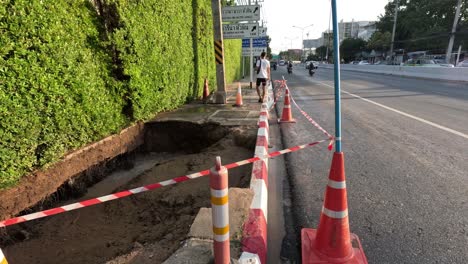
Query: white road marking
{"type": "Point", "coordinates": [403, 113]}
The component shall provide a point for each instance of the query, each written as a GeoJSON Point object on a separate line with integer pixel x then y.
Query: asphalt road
{"type": "Point", "coordinates": [406, 154]}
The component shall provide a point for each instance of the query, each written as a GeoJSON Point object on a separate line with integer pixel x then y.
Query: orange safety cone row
{"type": "Point", "coordinates": [287, 114]}
{"type": "Point", "coordinates": [239, 96]}
{"type": "Point", "coordinates": [206, 91]}
{"type": "Point", "coordinates": [332, 242]}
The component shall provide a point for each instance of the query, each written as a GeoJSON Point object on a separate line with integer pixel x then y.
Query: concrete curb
{"type": "Point", "coordinates": [254, 236]}
{"type": "Point", "coordinates": [457, 74]}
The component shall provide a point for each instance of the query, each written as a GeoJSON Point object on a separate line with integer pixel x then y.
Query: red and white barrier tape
{"type": "Point", "coordinates": [114, 196]}
{"type": "Point", "coordinates": [312, 121]}
{"type": "Point", "coordinates": [307, 116]}
{"type": "Point", "coordinates": [310, 118]}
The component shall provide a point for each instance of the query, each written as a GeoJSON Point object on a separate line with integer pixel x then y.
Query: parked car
{"type": "Point", "coordinates": [463, 63]}
{"type": "Point", "coordinates": [422, 63]}
{"type": "Point", "coordinates": [381, 62]}
{"type": "Point", "coordinates": [443, 64]}
{"type": "Point", "coordinates": [363, 62]}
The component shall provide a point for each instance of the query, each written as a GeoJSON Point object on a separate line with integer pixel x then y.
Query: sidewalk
{"type": "Point", "coordinates": [227, 114]}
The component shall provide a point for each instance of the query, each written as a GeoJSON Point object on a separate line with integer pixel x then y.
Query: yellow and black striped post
{"type": "Point", "coordinates": [2, 258]}
{"type": "Point", "coordinates": [219, 53]}
{"type": "Point", "coordinates": [220, 95]}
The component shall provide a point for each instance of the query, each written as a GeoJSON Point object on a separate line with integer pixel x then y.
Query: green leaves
{"type": "Point", "coordinates": [70, 76]}
{"type": "Point", "coordinates": [55, 90]}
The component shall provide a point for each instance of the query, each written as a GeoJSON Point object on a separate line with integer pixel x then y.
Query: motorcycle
{"type": "Point", "coordinates": [274, 67]}
{"type": "Point", "coordinates": [311, 71]}
{"type": "Point", "coordinates": [289, 70]}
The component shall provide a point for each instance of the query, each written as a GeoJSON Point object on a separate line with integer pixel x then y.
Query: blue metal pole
{"type": "Point", "coordinates": [336, 59]}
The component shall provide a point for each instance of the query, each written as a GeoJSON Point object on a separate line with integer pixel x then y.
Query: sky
{"type": "Point", "coordinates": [282, 15]}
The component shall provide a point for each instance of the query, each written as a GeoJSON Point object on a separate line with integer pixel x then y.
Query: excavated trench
{"type": "Point", "coordinates": [163, 216]}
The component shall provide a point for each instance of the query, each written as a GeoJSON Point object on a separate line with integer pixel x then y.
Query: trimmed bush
{"type": "Point", "coordinates": [73, 72]}
{"type": "Point", "coordinates": [233, 59]}
{"type": "Point", "coordinates": [205, 66]}
{"type": "Point", "coordinates": [155, 45]}
{"type": "Point", "coordinates": [56, 93]}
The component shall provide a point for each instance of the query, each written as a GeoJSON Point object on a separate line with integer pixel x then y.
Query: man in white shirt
{"type": "Point", "coordinates": [263, 75]}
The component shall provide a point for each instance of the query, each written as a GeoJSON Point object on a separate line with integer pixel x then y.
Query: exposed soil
{"type": "Point", "coordinates": [36, 186]}
{"type": "Point", "coordinates": [100, 233]}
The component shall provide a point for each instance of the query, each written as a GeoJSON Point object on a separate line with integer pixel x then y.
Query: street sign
{"type": "Point", "coordinates": [257, 43]}
{"type": "Point", "coordinates": [241, 13]}
{"type": "Point", "coordinates": [262, 32]}
{"type": "Point", "coordinates": [256, 51]}
{"type": "Point", "coordinates": [238, 31]}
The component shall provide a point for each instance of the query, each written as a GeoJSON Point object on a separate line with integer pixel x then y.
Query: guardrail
{"type": "Point", "coordinates": [437, 73]}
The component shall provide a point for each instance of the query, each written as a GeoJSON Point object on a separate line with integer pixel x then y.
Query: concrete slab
{"type": "Point", "coordinates": [194, 251]}
{"type": "Point", "coordinates": [239, 202]}
{"type": "Point", "coordinates": [201, 236]}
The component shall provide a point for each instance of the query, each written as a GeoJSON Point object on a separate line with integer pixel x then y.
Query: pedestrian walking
{"type": "Point", "coordinates": [263, 75]}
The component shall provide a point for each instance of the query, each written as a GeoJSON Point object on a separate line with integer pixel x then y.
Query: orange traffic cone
{"type": "Point", "coordinates": [332, 242]}
{"type": "Point", "coordinates": [238, 96]}
{"type": "Point", "coordinates": [287, 114]}
{"type": "Point", "coordinates": [206, 91]}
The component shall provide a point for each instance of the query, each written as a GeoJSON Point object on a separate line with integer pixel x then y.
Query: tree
{"type": "Point", "coordinates": [380, 41]}
{"type": "Point", "coordinates": [424, 24]}
{"type": "Point", "coordinates": [322, 51]}
{"type": "Point", "coordinates": [350, 47]}
{"type": "Point", "coordinates": [313, 57]}
{"type": "Point", "coordinates": [283, 54]}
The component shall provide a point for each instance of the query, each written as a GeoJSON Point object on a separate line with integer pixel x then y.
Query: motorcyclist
{"type": "Point", "coordinates": [311, 69]}
{"type": "Point", "coordinates": [290, 66]}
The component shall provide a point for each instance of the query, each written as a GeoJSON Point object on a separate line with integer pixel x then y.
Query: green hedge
{"type": "Point", "coordinates": [204, 48]}
{"type": "Point", "coordinates": [233, 59]}
{"type": "Point", "coordinates": [56, 93]}
{"type": "Point", "coordinates": [71, 73]}
{"type": "Point", "coordinates": [155, 44]}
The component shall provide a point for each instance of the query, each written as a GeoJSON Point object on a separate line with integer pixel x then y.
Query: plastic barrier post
{"type": "Point", "coordinates": [2, 258]}
{"type": "Point", "coordinates": [220, 212]}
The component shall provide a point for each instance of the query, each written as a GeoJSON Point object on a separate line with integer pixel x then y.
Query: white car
{"type": "Point", "coordinates": [364, 62]}
{"type": "Point", "coordinates": [443, 64]}
{"type": "Point", "coordinates": [463, 63]}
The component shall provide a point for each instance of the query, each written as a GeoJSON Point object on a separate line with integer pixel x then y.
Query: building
{"type": "Point", "coordinates": [312, 43]}
{"type": "Point", "coordinates": [326, 38]}
{"type": "Point", "coordinates": [356, 29]}
{"type": "Point", "coordinates": [366, 30]}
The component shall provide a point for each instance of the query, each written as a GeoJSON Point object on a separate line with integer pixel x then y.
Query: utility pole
{"type": "Point", "coordinates": [220, 95]}
{"type": "Point", "coordinates": [452, 35]}
{"type": "Point", "coordinates": [302, 36]}
{"type": "Point", "coordinates": [328, 34]}
{"type": "Point", "coordinates": [394, 28]}
{"type": "Point", "coordinates": [458, 55]}
{"type": "Point", "coordinates": [251, 54]}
